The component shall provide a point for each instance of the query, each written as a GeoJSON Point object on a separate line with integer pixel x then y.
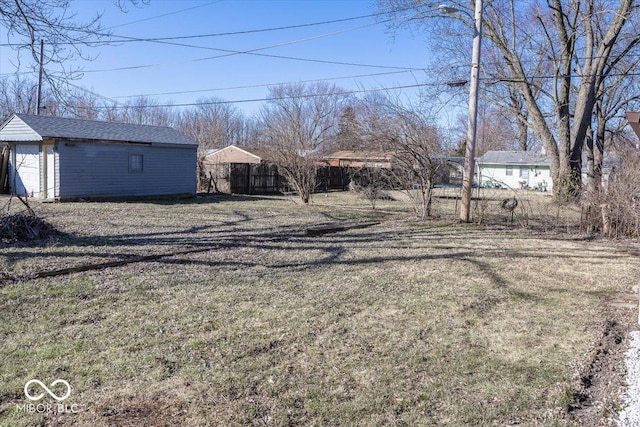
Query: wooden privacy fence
{"type": "Point", "coordinates": [263, 178]}
{"type": "Point", "coordinates": [243, 178]}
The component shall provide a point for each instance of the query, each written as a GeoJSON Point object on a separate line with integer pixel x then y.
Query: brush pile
{"type": "Point", "coordinates": [24, 225]}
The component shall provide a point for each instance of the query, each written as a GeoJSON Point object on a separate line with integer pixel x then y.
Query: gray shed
{"type": "Point", "coordinates": [63, 159]}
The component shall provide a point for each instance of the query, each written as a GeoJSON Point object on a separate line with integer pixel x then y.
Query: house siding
{"type": "Point", "coordinates": [537, 175]}
{"type": "Point", "coordinates": [102, 170]}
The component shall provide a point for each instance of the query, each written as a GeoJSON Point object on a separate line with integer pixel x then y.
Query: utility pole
{"type": "Point", "coordinates": [472, 122]}
{"type": "Point", "coordinates": [39, 99]}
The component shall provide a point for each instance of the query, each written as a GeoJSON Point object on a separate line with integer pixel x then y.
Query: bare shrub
{"type": "Point", "coordinates": [615, 209]}
{"type": "Point", "coordinates": [299, 119]}
{"type": "Point", "coordinates": [416, 143]}
{"type": "Point", "coordinates": [371, 183]}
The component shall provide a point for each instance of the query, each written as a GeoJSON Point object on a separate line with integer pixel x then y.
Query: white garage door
{"type": "Point", "coordinates": [27, 178]}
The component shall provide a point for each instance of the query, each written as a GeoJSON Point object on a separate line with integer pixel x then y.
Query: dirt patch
{"type": "Point", "coordinates": [162, 411]}
{"type": "Point", "coordinates": [148, 412]}
{"type": "Point", "coordinates": [597, 398]}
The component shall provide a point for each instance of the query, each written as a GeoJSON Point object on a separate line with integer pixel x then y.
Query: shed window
{"type": "Point", "coordinates": [524, 172]}
{"type": "Point", "coordinates": [509, 171]}
{"type": "Point", "coordinates": [135, 163]}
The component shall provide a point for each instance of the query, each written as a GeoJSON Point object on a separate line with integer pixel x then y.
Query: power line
{"type": "Point", "coordinates": [243, 32]}
{"type": "Point", "coordinates": [165, 14]}
{"type": "Point", "coordinates": [263, 85]}
{"type": "Point", "coordinates": [231, 52]}
{"type": "Point", "coordinates": [128, 39]}
{"type": "Point", "coordinates": [244, 101]}
{"type": "Point", "coordinates": [254, 52]}
{"type": "Point", "coordinates": [401, 70]}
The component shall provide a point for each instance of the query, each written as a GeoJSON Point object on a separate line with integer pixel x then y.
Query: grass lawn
{"type": "Point", "coordinates": [401, 323]}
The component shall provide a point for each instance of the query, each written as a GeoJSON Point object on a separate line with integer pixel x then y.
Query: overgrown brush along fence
{"type": "Point", "coordinates": [613, 209]}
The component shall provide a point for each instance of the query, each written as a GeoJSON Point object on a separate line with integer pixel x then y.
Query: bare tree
{"type": "Point", "coordinates": [253, 132]}
{"type": "Point", "coordinates": [213, 125]}
{"type": "Point", "coordinates": [416, 144]}
{"type": "Point", "coordinates": [17, 95]}
{"type": "Point", "coordinates": [576, 41]}
{"type": "Point", "coordinates": [299, 119]}
{"type": "Point", "coordinates": [144, 110]}
{"type": "Point", "coordinates": [26, 23]}
{"type": "Point", "coordinates": [85, 105]}
{"type": "Point", "coordinates": [349, 130]}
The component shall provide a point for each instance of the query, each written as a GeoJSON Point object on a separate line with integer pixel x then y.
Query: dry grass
{"type": "Point", "coordinates": [398, 324]}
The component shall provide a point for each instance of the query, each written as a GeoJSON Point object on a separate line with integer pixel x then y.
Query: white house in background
{"type": "Point", "coordinates": [514, 169]}
{"type": "Point", "coordinates": [59, 158]}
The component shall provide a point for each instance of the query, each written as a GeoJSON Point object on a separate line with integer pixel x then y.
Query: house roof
{"type": "Point", "coordinates": [360, 155]}
{"type": "Point", "coordinates": [27, 127]}
{"type": "Point", "coordinates": [634, 121]}
{"type": "Point", "coordinates": [513, 158]}
{"type": "Point", "coordinates": [359, 159]}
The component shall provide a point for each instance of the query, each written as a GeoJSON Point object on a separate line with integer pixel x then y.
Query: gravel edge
{"type": "Point", "coordinates": [630, 415]}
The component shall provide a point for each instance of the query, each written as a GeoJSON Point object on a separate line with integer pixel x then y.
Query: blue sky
{"type": "Point", "coordinates": [185, 74]}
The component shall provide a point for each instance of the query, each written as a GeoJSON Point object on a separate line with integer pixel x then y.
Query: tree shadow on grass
{"type": "Point", "coordinates": [419, 244]}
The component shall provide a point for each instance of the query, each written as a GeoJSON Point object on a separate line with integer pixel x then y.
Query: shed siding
{"type": "Point", "coordinates": [18, 131]}
{"type": "Point", "coordinates": [57, 170]}
{"type": "Point", "coordinates": [98, 170]}
{"type": "Point", "coordinates": [24, 170]}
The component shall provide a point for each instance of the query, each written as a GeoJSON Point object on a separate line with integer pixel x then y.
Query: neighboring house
{"type": "Point", "coordinates": [338, 169]}
{"type": "Point", "coordinates": [514, 169]}
{"type": "Point", "coordinates": [448, 170]}
{"type": "Point", "coordinates": [634, 121]}
{"type": "Point", "coordinates": [64, 159]}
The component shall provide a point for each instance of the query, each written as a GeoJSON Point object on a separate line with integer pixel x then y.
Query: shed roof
{"type": "Point", "coordinates": [237, 154]}
{"type": "Point", "coordinates": [513, 158]}
{"type": "Point", "coordinates": [27, 127]}
{"type": "Point", "coordinates": [263, 153]}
